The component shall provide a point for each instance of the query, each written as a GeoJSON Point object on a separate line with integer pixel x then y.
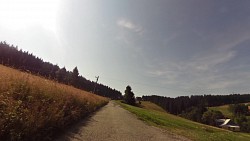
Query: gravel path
{"type": "Point", "coordinates": [113, 123]}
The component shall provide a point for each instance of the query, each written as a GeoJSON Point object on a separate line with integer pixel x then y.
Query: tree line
{"type": "Point", "coordinates": [195, 107]}
{"type": "Point", "coordinates": [181, 104]}
{"type": "Point", "coordinates": [240, 116]}
{"type": "Point", "coordinates": [23, 60]}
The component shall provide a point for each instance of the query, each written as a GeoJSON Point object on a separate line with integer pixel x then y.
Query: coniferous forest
{"type": "Point", "coordinates": [181, 104]}
{"type": "Point", "coordinates": [195, 107]}
{"type": "Point", "coordinates": [23, 60]}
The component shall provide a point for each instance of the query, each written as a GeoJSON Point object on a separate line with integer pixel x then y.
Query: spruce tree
{"type": "Point", "coordinates": [129, 97]}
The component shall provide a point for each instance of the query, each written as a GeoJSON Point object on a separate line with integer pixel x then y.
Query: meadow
{"type": "Point", "coordinates": [35, 108]}
{"type": "Point", "coordinates": [180, 126]}
{"type": "Point", "coordinates": [224, 109]}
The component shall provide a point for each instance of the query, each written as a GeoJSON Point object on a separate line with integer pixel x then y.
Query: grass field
{"type": "Point", "coordinates": [34, 108]}
{"type": "Point", "coordinates": [151, 106]}
{"type": "Point", "coordinates": [224, 109]}
{"type": "Point", "coordinates": [192, 130]}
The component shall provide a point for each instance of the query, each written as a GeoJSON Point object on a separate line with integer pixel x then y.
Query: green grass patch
{"type": "Point", "coordinates": [224, 109]}
{"type": "Point", "coordinates": [177, 125]}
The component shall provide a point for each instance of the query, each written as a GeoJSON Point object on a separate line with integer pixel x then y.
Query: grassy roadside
{"type": "Point", "coordinates": [192, 130]}
{"type": "Point", "coordinates": [34, 108]}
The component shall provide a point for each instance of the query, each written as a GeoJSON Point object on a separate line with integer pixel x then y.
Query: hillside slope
{"type": "Point", "coordinates": [224, 109]}
{"type": "Point", "coordinates": [184, 127]}
{"type": "Point", "coordinates": [25, 61]}
{"type": "Point", "coordinates": [32, 107]}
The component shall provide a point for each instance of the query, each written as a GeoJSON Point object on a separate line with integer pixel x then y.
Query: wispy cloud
{"type": "Point", "coordinates": [204, 63]}
{"type": "Point", "coordinates": [128, 24]}
{"type": "Point", "coordinates": [201, 73]}
{"type": "Point", "coordinates": [218, 68]}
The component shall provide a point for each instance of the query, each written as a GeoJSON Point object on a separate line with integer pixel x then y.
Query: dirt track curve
{"type": "Point", "coordinates": [113, 123]}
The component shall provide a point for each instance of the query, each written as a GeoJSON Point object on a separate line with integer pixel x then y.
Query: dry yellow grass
{"type": "Point", "coordinates": [32, 107]}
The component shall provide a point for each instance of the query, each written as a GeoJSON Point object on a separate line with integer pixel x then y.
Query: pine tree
{"type": "Point", "coordinates": [74, 79]}
{"type": "Point", "coordinates": [60, 74]}
{"type": "Point", "coordinates": [129, 96]}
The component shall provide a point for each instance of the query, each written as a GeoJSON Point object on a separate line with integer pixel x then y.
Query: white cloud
{"type": "Point", "coordinates": [128, 24]}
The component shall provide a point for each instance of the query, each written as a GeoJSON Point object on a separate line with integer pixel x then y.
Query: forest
{"type": "Point", "coordinates": [182, 103]}
{"type": "Point", "coordinates": [16, 58]}
{"type": "Point", "coordinates": [195, 107]}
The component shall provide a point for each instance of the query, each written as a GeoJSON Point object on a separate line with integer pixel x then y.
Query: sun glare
{"type": "Point", "coordinates": [19, 14]}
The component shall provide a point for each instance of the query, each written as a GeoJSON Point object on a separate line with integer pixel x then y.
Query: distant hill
{"type": "Point", "coordinates": [25, 61]}
{"type": "Point", "coordinates": [180, 126]}
{"type": "Point", "coordinates": [181, 104]}
{"type": "Point", "coordinates": [225, 109]}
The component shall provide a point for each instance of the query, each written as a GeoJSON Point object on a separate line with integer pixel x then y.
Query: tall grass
{"type": "Point", "coordinates": [34, 108]}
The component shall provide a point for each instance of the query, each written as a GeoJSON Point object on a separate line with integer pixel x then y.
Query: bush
{"type": "Point", "coordinates": [210, 116]}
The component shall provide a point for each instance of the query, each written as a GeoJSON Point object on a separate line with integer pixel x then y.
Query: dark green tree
{"type": "Point", "coordinates": [75, 72]}
{"type": "Point", "coordinates": [210, 116]}
{"type": "Point", "coordinates": [74, 79]}
{"type": "Point", "coordinates": [238, 109]}
{"type": "Point", "coordinates": [60, 74]}
{"type": "Point", "coordinates": [129, 96]}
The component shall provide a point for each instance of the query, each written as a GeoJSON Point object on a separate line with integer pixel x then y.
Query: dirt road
{"type": "Point", "coordinates": [113, 123]}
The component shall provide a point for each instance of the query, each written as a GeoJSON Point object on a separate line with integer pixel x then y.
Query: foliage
{"type": "Point", "coordinates": [24, 61]}
{"type": "Point", "coordinates": [210, 116]}
{"type": "Point", "coordinates": [129, 96]}
{"type": "Point", "coordinates": [238, 109]}
{"type": "Point", "coordinates": [33, 108]}
{"type": "Point", "coordinates": [245, 126]}
{"type": "Point", "coordinates": [177, 125]}
{"type": "Point", "coordinates": [193, 107]}
{"type": "Point", "coordinates": [224, 109]}
{"type": "Point", "coordinates": [238, 113]}
{"type": "Point", "coordinates": [179, 104]}
{"type": "Point", "coordinates": [194, 113]}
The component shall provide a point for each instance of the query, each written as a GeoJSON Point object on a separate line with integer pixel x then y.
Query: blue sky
{"type": "Point", "coordinates": [163, 47]}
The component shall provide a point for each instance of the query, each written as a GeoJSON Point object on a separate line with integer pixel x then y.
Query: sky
{"type": "Point", "coordinates": [158, 47]}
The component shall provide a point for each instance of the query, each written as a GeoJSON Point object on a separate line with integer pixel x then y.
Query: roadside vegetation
{"type": "Point", "coordinates": [177, 125]}
{"type": "Point", "coordinates": [34, 108]}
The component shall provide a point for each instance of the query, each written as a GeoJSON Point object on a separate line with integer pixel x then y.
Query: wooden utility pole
{"type": "Point", "coordinates": [97, 78]}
